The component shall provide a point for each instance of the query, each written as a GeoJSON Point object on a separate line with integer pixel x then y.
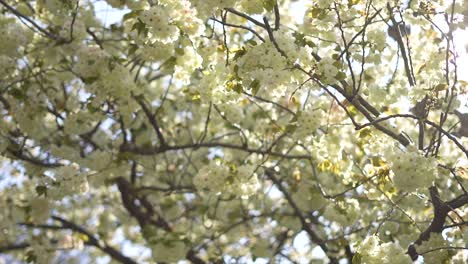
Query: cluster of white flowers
{"type": "Point", "coordinates": [411, 169]}
{"type": "Point", "coordinates": [264, 64]}
{"type": "Point", "coordinates": [264, 55]}
{"type": "Point", "coordinates": [328, 70]}
{"type": "Point", "coordinates": [418, 92]}
{"type": "Point", "coordinates": [234, 113]}
{"type": "Point", "coordinates": [344, 213]}
{"type": "Point", "coordinates": [250, 6]}
{"type": "Point", "coordinates": [91, 61]}
{"type": "Point", "coordinates": [435, 241]}
{"type": "Point", "coordinates": [68, 180]}
{"type": "Point", "coordinates": [372, 252]}
{"type": "Point", "coordinates": [185, 17]}
{"type": "Point", "coordinates": [42, 248]}
{"type": "Point", "coordinates": [40, 208]}
{"type": "Point", "coordinates": [245, 182]}
{"type": "Point", "coordinates": [79, 29]}
{"type": "Point", "coordinates": [59, 6]}
{"type": "Point", "coordinates": [157, 19]}
{"type": "Point", "coordinates": [217, 178]}
{"type": "Point", "coordinates": [169, 251]}
{"type": "Point", "coordinates": [377, 37]}
{"type": "Point", "coordinates": [10, 213]}
{"type": "Point", "coordinates": [287, 43]}
{"type": "Point", "coordinates": [108, 77]}
{"type": "Point", "coordinates": [157, 51]}
{"type": "Point", "coordinates": [211, 177]}
{"type": "Point", "coordinates": [186, 64]}
{"type": "Point", "coordinates": [308, 198]}
{"type": "Point", "coordinates": [169, 18]}
{"type": "Point", "coordinates": [7, 65]}
{"type": "Point", "coordinates": [211, 86]}
{"type": "Point", "coordinates": [30, 123]}
{"type": "Point", "coordinates": [207, 8]}
{"type": "Point", "coordinates": [80, 122]}
{"type": "Point", "coordinates": [13, 36]}
{"type": "Point", "coordinates": [117, 82]}
{"type": "Point", "coordinates": [308, 122]}
{"type": "Point", "coordinates": [324, 3]}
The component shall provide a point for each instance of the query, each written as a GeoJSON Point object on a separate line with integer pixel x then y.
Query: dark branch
{"type": "Point", "coordinates": [112, 252]}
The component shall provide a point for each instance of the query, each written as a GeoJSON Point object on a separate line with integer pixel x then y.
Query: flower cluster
{"type": "Point", "coordinates": [371, 251]}
{"type": "Point", "coordinates": [91, 61]}
{"type": "Point", "coordinates": [13, 37]}
{"type": "Point", "coordinates": [308, 122]}
{"type": "Point", "coordinates": [41, 246]}
{"type": "Point", "coordinates": [157, 19]}
{"type": "Point", "coordinates": [185, 16]}
{"type": "Point", "coordinates": [7, 65]}
{"type": "Point", "coordinates": [168, 19]}
{"type": "Point", "coordinates": [217, 178]}
{"type": "Point", "coordinates": [328, 70]}
{"type": "Point", "coordinates": [437, 256]}
{"type": "Point", "coordinates": [245, 182]}
{"type": "Point", "coordinates": [157, 51]}
{"type": "Point", "coordinates": [186, 64]}
{"type": "Point", "coordinates": [80, 122]}
{"type": "Point", "coordinates": [211, 177]}
{"type": "Point", "coordinates": [206, 8]}
{"type": "Point", "coordinates": [66, 180]}
{"type": "Point", "coordinates": [344, 213]}
{"type": "Point", "coordinates": [40, 207]}
{"type": "Point", "coordinates": [265, 64]}
{"type": "Point", "coordinates": [169, 251]}
{"type": "Point", "coordinates": [411, 169]}
{"type": "Point", "coordinates": [308, 198]}
{"type": "Point", "coordinates": [232, 112]}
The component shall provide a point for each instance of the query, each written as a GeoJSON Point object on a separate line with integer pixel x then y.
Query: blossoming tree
{"type": "Point", "coordinates": [233, 131]}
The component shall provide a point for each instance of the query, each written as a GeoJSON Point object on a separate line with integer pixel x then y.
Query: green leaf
{"type": "Point", "coordinates": [169, 64]}
{"type": "Point", "coordinates": [337, 63]}
{"type": "Point", "coordinates": [441, 87]}
{"type": "Point", "coordinates": [179, 51]}
{"type": "Point", "coordinates": [17, 93]}
{"type": "Point", "coordinates": [353, 2]}
{"type": "Point", "coordinates": [290, 128]}
{"type": "Point", "coordinates": [365, 133]}
{"type": "Point", "coordinates": [315, 12]}
{"type": "Point", "coordinates": [131, 15]}
{"type": "Point", "coordinates": [132, 48]}
{"type": "Point", "coordinates": [82, 237]}
{"type": "Point", "coordinates": [300, 40]}
{"type": "Point", "coordinates": [255, 86]}
{"type": "Point", "coordinates": [340, 76]}
{"type": "Point", "coordinates": [269, 5]}
{"type": "Point", "coordinates": [41, 190]}
{"type": "Point", "coordinates": [239, 53]}
{"type": "Point", "coordinates": [140, 27]}
{"type": "Point", "coordinates": [238, 88]}
{"type": "Point", "coordinates": [89, 80]}
{"type": "Point", "coordinates": [357, 258]}
{"type": "Point", "coordinates": [251, 42]}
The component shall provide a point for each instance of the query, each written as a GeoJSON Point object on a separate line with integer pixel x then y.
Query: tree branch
{"type": "Point", "coordinates": [18, 14]}
{"type": "Point", "coordinates": [441, 209]}
{"type": "Point", "coordinates": [112, 252]}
